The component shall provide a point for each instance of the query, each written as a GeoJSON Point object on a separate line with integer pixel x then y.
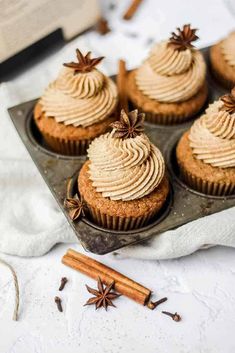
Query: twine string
{"type": "Point", "coordinates": [16, 285]}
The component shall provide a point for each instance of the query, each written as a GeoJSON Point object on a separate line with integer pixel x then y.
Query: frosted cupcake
{"type": "Point", "coordinates": [77, 107]}
{"type": "Point", "coordinates": [222, 56]}
{"type": "Point", "coordinates": [170, 87]}
{"type": "Point", "coordinates": [206, 153]}
{"type": "Point", "coordinates": [123, 184]}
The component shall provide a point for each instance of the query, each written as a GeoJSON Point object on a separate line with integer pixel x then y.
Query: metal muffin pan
{"type": "Point", "coordinates": [60, 174]}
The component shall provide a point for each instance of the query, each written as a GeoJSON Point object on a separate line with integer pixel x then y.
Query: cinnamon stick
{"type": "Point", "coordinates": [131, 9]}
{"type": "Point", "coordinates": [106, 270]}
{"type": "Point", "coordinates": [121, 84]}
{"type": "Point", "coordinates": [95, 269]}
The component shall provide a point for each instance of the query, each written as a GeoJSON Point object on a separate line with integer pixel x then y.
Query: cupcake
{"type": "Point", "coordinates": [77, 107]}
{"type": "Point", "coordinates": [124, 183]}
{"type": "Point", "coordinates": [222, 57]}
{"type": "Point", "coordinates": [206, 153]}
{"type": "Point", "coordinates": [170, 87]}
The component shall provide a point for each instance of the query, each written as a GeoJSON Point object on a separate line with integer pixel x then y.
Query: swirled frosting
{"type": "Point", "coordinates": [228, 49]}
{"type": "Point", "coordinates": [80, 99]}
{"type": "Point", "coordinates": [125, 169]}
{"type": "Point", "coordinates": [212, 137]}
{"type": "Point", "coordinates": [170, 75]}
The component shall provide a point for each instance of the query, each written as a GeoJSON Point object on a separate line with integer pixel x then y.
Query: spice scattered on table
{"type": "Point", "coordinates": [176, 317]}
{"type": "Point", "coordinates": [114, 281]}
{"type": "Point", "coordinates": [103, 297]}
{"type": "Point", "coordinates": [153, 305]}
{"type": "Point", "coordinates": [112, 6]}
{"type": "Point", "coordinates": [102, 26]}
{"type": "Point", "coordinates": [94, 269]}
{"type": "Point", "coordinates": [64, 280]}
{"type": "Point", "coordinates": [58, 304]}
{"type": "Point", "coordinates": [132, 9]}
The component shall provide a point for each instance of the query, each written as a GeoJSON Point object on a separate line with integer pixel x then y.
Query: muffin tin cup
{"type": "Point", "coordinates": [207, 187]}
{"type": "Point", "coordinates": [59, 170]}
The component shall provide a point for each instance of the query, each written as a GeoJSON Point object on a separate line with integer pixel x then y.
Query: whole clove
{"type": "Point", "coordinates": [112, 6]}
{"type": "Point", "coordinates": [176, 317]}
{"type": "Point", "coordinates": [102, 26]}
{"type": "Point", "coordinates": [58, 303]}
{"type": "Point", "coordinates": [64, 280]}
{"type": "Point", "coordinates": [153, 305]}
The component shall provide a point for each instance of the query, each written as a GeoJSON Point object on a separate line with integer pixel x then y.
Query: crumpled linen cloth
{"type": "Point", "coordinates": [30, 220]}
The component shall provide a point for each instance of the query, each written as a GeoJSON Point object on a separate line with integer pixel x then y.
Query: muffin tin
{"type": "Point", "coordinates": [60, 173]}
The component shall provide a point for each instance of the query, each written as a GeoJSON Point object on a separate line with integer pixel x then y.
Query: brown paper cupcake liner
{"type": "Point", "coordinates": [118, 223]}
{"type": "Point", "coordinates": [207, 187]}
{"type": "Point", "coordinates": [165, 119]}
{"type": "Point", "coordinates": [67, 147]}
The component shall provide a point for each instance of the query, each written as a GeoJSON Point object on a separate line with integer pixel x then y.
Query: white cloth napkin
{"type": "Point", "coordinates": [30, 221]}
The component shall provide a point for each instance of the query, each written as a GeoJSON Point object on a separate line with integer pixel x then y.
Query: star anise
{"type": "Point", "coordinates": [129, 126]}
{"type": "Point", "coordinates": [75, 207]}
{"type": "Point", "coordinates": [85, 63]}
{"type": "Point", "coordinates": [102, 296]}
{"type": "Point", "coordinates": [182, 40]}
{"type": "Point", "coordinates": [229, 102]}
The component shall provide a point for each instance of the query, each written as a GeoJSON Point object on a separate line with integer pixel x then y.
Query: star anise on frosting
{"type": "Point", "coordinates": [183, 39]}
{"type": "Point", "coordinates": [229, 102]}
{"type": "Point", "coordinates": [103, 296]}
{"type": "Point", "coordinates": [85, 63]}
{"type": "Point", "coordinates": [75, 207]}
{"type": "Point", "coordinates": [130, 125]}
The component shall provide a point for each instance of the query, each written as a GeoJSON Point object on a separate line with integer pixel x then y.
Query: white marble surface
{"type": "Point", "coordinates": [201, 287]}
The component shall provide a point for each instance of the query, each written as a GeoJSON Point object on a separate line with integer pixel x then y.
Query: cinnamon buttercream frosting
{"type": "Point", "coordinates": [228, 49]}
{"type": "Point", "coordinates": [212, 137]}
{"type": "Point", "coordinates": [170, 75]}
{"type": "Point", "coordinates": [125, 169]}
{"type": "Point", "coordinates": [80, 99]}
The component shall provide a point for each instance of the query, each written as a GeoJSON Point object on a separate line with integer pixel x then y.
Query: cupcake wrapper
{"type": "Point", "coordinates": [118, 223]}
{"type": "Point", "coordinates": [207, 187]}
{"type": "Point", "coordinates": [67, 147]}
{"type": "Point", "coordinates": [165, 119]}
